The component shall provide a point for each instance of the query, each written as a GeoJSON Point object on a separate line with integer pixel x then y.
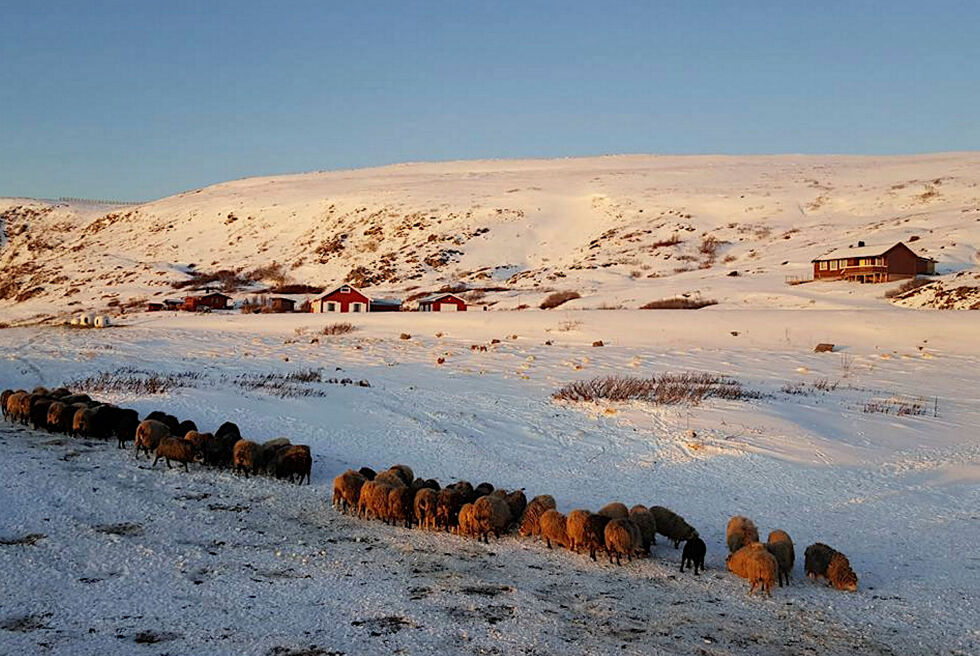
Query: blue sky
{"type": "Point", "coordinates": [141, 99]}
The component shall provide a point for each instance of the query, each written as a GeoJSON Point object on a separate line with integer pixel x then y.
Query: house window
{"type": "Point", "coordinates": [833, 265]}
{"type": "Point", "coordinates": [345, 290]}
{"type": "Point", "coordinates": [331, 307]}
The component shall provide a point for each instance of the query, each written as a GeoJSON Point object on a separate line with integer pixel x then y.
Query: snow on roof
{"type": "Point", "coordinates": [861, 251]}
{"type": "Point", "coordinates": [386, 301]}
{"type": "Point", "coordinates": [435, 297]}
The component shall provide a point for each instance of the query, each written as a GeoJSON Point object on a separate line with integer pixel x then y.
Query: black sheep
{"type": "Point", "coordinates": [694, 551]}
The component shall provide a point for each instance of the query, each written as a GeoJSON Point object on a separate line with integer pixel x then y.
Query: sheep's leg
{"type": "Point", "coordinates": [186, 468]}
{"type": "Point", "coordinates": [167, 460]}
{"type": "Point", "coordinates": [155, 461]}
{"type": "Point", "coordinates": [548, 542]}
{"type": "Point", "coordinates": [682, 566]}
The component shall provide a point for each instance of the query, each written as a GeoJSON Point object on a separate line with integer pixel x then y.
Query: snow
{"type": "Point", "coordinates": [221, 564]}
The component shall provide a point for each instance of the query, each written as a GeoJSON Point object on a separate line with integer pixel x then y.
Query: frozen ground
{"type": "Point", "coordinates": [208, 563]}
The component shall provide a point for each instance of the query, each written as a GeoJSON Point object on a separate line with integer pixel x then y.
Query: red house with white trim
{"type": "Point", "coordinates": [444, 302]}
{"type": "Point", "coordinates": [342, 299]}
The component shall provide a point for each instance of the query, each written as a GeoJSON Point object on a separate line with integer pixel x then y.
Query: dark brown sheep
{"type": "Point", "coordinates": [821, 561]}
{"type": "Point", "coordinates": [294, 462]}
{"type": "Point", "coordinates": [39, 413]}
{"type": "Point", "coordinates": [83, 423]}
{"type": "Point", "coordinates": [426, 500]}
{"type": "Point", "coordinates": [124, 428]}
{"type": "Point", "coordinates": [4, 397]}
{"type": "Point", "coordinates": [347, 490]}
{"type": "Point", "coordinates": [780, 545]}
{"type": "Point", "coordinates": [614, 510]}
{"type": "Point", "coordinates": [243, 457]}
{"type": "Point", "coordinates": [175, 448]}
{"type": "Point", "coordinates": [644, 521]}
{"type": "Point", "coordinates": [516, 501]}
{"type": "Point", "coordinates": [170, 421]}
{"type": "Point", "coordinates": [448, 503]}
{"type": "Point", "coordinates": [148, 436]}
{"type": "Point", "coordinates": [672, 526]}
{"type": "Point", "coordinates": [553, 527]}
{"type": "Point", "coordinates": [367, 473]}
{"type": "Point", "coordinates": [621, 537]}
{"type": "Point", "coordinates": [184, 427]}
{"type": "Point", "coordinates": [404, 472]}
{"type": "Point", "coordinates": [490, 515]}
{"type": "Point", "coordinates": [530, 521]}
{"type": "Point", "coordinates": [401, 506]}
{"type": "Point", "coordinates": [740, 532]}
{"type": "Point", "coordinates": [483, 489]}
{"type": "Point", "coordinates": [594, 534]}
{"type": "Point", "coordinates": [267, 452]}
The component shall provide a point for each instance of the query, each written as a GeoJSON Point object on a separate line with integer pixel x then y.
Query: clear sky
{"type": "Point", "coordinates": [139, 99]}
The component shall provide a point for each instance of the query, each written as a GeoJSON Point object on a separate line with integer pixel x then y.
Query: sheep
{"type": "Point", "coordinates": [124, 427]}
{"type": "Point", "coordinates": [39, 413]}
{"type": "Point", "coordinates": [401, 505]}
{"type": "Point", "coordinates": [83, 423]}
{"type": "Point", "coordinates": [60, 392]}
{"type": "Point", "coordinates": [575, 527]}
{"type": "Point", "coordinates": [644, 521]}
{"type": "Point", "coordinates": [490, 515]}
{"type": "Point", "coordinates": [403, 472]}
{"type": "Point", "coordinates": [466, 489]}
{"type": "Point", "coordinates": [175, 448]}
{"type": "Point", "coordinates": [243, 457]}
{"type": "Point", "coordinates": [76, 398]}
{"type": "Point", "coordinates": [620, 536]}
{"type": "Point", "coordinates": [553, 527]}
{"type": "Point", "coordinates": [24, 411]}
{"type": "Point", "coordinates": [426, 500]}
{"type": "Point", "coordinates": [516, 501]}
{"type": "Point", "coordinates": [693, 556]}
{"type": "Point", "coordinates": [4, 396]}
{"type": "Point", "coordinates": [148, 436]}
{"type": "Point", "coordinates": [347, 490]}
{"type": "Point", "coordinates": [755, 563]}
{"type": "Point", "coordinates": [365, 505]}
{"type": "Point", "coordinates": [268, 450]}
{"type": "Point", "coordinates": [294, 461]}
{"type": "Point", "coordinates": [12, 409]}
{"type": "Point", "coordinates": [421, 483]}
{"type": "Point", "coordinates": [819, 560]}
{"type": "Point", "coordinates": [229, 429]}
{"type": "Point", "coordinates": [367, 473]}
{"type": "Point", "coordinates": [40, 390]}
{"type": "Point", "coordinates": [184, 427]}
{"type": "Point", "coordinates": [199, 441]}
{"type": "Point", "coordinates": [614, 510]}
{"type": "Point", "coordinates": [780, 545]}
{"type": "Point", "coordinates": [593, 534]}
{"type": "Point", "coordinates": [58, 418]}
{"type": "Point", "coordinates": [448, 503]}
{"type": "Point", "coordinates": [390, 478]}
{"type": "Point", "coordinates": [672, 526]}
{"type": "Point", "coordinates": [483, 489]}
{"type": "Point", "coordinates": [171, 422]}
{"type": "Point", "coordinates": [217, 451]}
{"type": "Point", "coordinates": [467, 523]}
{"type": "Point", "coordinates": [530, 521]}
{"type": "Point", "coordinates": [740, 532]}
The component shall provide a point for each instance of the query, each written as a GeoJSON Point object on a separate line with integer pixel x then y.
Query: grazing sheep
{"type": "Point", "coordinates": [516, 501]}
{"type": "Point", "coordinates": [294, 461]}
{"type": "Point", "coordinates": [12, 410]}
{"type": "Point", "coordinates": [148, 436]}
{"type": "Point", "coordinates": [755, 563]}
{"type": "Point", "coordinates": [198, 440]}
{"type": "Point", "coordinates": [693, 556]}
{"type": "Point", "coordinates": [243, 457]}
{"type": "Point", "coordinates": [4, 396]}
{"type": "Point", "coordinates": [40, 390]}
{"type": "Point", "coordinates": [553, 527]}
{"type": "Point", "coordinates": [490, 515]}
{"type": "Point", "coordinates": [39, 413]}
{"type": "Point", "coordinates": [483, 489]}
{"type": "Point", "coordinates": [780, 545]}
{"type": "Point", "coordinates": [267, 452]}
{"type": "Point", "coordinates": [58, 419]}
{"type": "Point", "coordinates": [819, 560]}
{"type": "Point", "coordinates": [391, 479]}
{"type": "Point", "coordinates": [172, 423]}
{"type": "Point", "coordinates": [184, 427]}
{"type": "Point", "coordinates": [614, 510]}
{"type": "Point", "coordinates": [83, 423]}
{"type": "Point", "coordinates": [429, 483]}
{"type": "Point", "coordinates": [373, 501]}
{"type": "Point", "coordinates": [403, 472]}
{"type": "Point", "coordinates": [347, 490]}
{"type": "Point", "coordinates": [644, 521]}
{"type": "Point", "coordinates": [466, 489]}
{"type": "Point", "coordinates": [426, 500]}
{"type": "Point", "coordinates": [575, 527]}
{"type": "Point", "coordinates": [60, 392]}
{"type": "Point", "coordinates": [367, 473]}
{"type": "Point", "coordinates": [530, 522]}
{"type": "Point", "coordinates": [740, 532]}
{"type": "Point", "coordinates": [448, 503]}
{"type": "Point", "coordinates": [467, 523]}
{"type": "Point", "coordinates": [594, 533]}
{"type": "Point", "coordinates": [76, 398]}
{"type": "Point", "coordinates": [124, 427]}
{"type": "Point", "coordinates": [24, 408]}
{"type": "Point", "coordinates": [175, 448]}
{"type": "Point", "coordinates": [672, 526]}
{"type": "Point", "coordinates": [401, 505]}
{"type": "Point", "coordinates": [620, 537]}
{"type": "Point", "coordinates": [228, 429]}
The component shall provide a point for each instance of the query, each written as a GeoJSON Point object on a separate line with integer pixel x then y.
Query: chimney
{"type": "Point", "coordinates": [860, 244]}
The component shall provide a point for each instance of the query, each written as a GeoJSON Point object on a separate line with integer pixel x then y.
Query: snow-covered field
{"type": "Point", "coordinates": [207, 562]}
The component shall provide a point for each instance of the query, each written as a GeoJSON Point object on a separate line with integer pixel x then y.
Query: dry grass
{"type": "Point", "coordinates": [679, 303]}
{"type": "Point", "coordinates": [899, 405]}
{"type": "Point", "coordinates": [134, 381]}
{"type": "Point", "coordinates": [907, 286]}
{"type": "Point", "coordinates": [667, 389]}
{"type": "Point", "coordinates": [558, 298]}
{"type": "Point", "coordinates": [806, 388]}
{"type": "Point", "coordinates": [340, 328]}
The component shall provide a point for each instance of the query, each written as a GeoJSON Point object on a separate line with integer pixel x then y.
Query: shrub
{"type": "Point", "coordinates": [668, 389]}
{"type": "Point", "coordinates": [673, 240]}
{"type": "Point", "coordinates": [296, 289]}
{"type": "Point", "coordinates": [341, 328]}
{"type": "Point", "coordinates": [907, 286]}
{"type": "Point", "coordinates": [134, 381]}
{"type": "Point", "coordinates": [679, 303]}
{"type": "Point", "coordinates": [558, 298]}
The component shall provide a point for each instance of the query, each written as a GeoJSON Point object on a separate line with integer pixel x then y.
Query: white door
{"type": "Point", "coordinates": [447, 307]}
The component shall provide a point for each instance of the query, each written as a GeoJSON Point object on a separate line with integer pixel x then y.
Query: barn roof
{"type": "Point", "coordinates": [431, 298]}
{"type": "Point", "coordinates": [338, 288]}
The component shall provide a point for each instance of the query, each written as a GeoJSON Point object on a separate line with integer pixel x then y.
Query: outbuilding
{"type": "Point", "coordinates": [212, 301]}
{"type": "Point", "coordinates": [442, 302]}
{"type": "Point", "coordinates": [281, 304]}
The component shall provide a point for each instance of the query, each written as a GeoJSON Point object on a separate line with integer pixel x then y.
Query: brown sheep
{"type": "Point", "coordinates": [594, 533]}
{"type": "Point", "coordinates": [4, 397]}
{"type": "Point", "coordinates": [426, 500]}
{"type": "Point", "coordinates": [467, 523]}
{"type": "Point", "coordinates": [490, 515]}
{"type": "Point", "coordinates": [740, 532]}
{"type": "Point", "coordinates": [819, 560]}
{"type": "Point", "coordinates": [347, 490]}
{"type": "Point", "coordinates": [266, 454]}
{"type": "Point", "coordinates": [780, 545]}
{"type": "Point", "coordinates": [390, 478]}
{"type": "Point", "coordinates": [401, 506]}
{"type": "Point", "coordinates": [59, 418]}
{"type": "Point", "coordinates": [554, 528]}
{"type": "Point", "coordinates": [39, 413]}
{"type": "Point", "coordinates": [644, 521]}
{"type": "Point", "coordinates": [448, 504]}
{"type": "Point", "coordinates": [516, 501]}
{"type": "Point", "coordinates": [24, 411]}
{"type": "Point", "coordinates": [243, 457]}
{"type": "Point", "coordinates": [198, 440]}
{"type": "Point", "coordinates": [404, 472]}
{"type": "Point", "coordinates": [621, 537]}
{"type": "Point", "coordinates": [11, 405]}
{"type": "Point", "coordinates": [575, 527]}
{"type": "Point", "coordinates": [755, 563]}
{"type": "Point", "coordinates": [672, 526]}
{"type": "Point", "coordinates": [148, 436]}
{"type": "Point", "coordinates": [175, 448]}
{"type": "Point", "coordinates": [367, 473]}
{"type": "Point", "coordinates": [368, 503]}
{"type": "Point", "coordinates": [294, 461]}
{"type": "Point", "coordinates": [466, 489]}
{"type": "Point", "coordinates": [614, 510]}
{"type": "Point", "coordinates": [530, 521]}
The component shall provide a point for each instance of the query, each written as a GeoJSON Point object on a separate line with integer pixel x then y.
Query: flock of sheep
{"type": "Point", "coordinates": [396, 496]}
{"type": "Point", "coordinates": [158, 433]}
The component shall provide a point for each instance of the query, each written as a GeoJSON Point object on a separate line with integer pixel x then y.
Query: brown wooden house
{"type": "Point", "coordinates": [212, 301]}
{"type": "Point", "coordinates": [280, 304]}
{"type": "Point", "coordinates": [872, 264]}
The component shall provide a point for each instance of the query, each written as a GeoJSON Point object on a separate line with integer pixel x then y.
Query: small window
{"type": "Point", "coordinates": [345, 290]}
{"type": "Point", "coordinates": [823, 266]}
{"type": "Point", "coordinates": [833, 265]}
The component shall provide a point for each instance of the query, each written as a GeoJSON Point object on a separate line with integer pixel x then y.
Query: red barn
{"type": "Point", "coordinates": [444, 302]}
{"type": "Point", "coordinates": [872, 264]}
{"type": "Point", "coordinates": [342, 299]}
{"type": "Point", "coordinates": [212, 301]}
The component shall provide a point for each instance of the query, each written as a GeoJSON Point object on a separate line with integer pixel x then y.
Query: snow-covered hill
{"type": "Point", "coordinates": [620, 230]}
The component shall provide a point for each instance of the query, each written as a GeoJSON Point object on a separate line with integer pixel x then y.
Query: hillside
{"type": "Point", "coordinates": [620, 230]}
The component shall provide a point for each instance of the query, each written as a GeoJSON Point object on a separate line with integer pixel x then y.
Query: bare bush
{"type": "Point", "coordinates": [134, 381]}
{"type": "Point", "coordinates": [558, 298]}
{"type": "Point", "coordinates": [680, 303]}
{"type": "Point", "coordinates": [340, 328]}
{"type": "Point", "coordinates": [667, 389]}
{"type": "Point", "coordinates": [806, 388]}
{"type": "Point", "coordinates": [898, 405]}
{"type": "Point", "coordinates": [673, 240]}
{"type": "Point", "coordinates": [907, 286]}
